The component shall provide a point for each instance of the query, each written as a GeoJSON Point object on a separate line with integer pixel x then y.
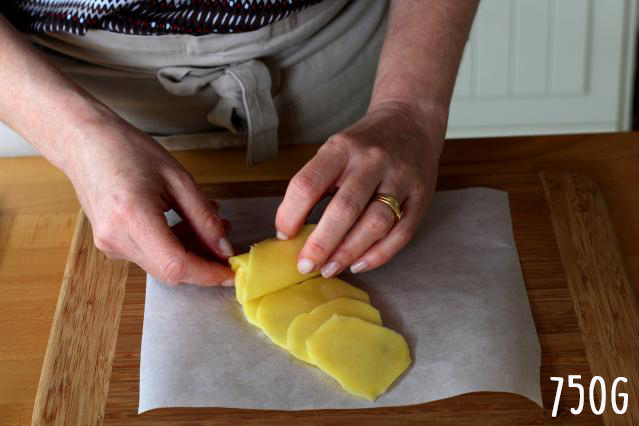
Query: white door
{"type": "Point", "coordinates": [546, 66]}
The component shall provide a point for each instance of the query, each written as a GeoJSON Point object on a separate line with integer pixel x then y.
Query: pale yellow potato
{"type": "Point", "coordinates": [250, 311]}
{"type": "Point", "coordinates": [363, 357]}
{"type": "Point", "coordinates": [304, 325]}
{"type": "Point", "coordinates": [238, 265]}
{"type": "Point", "coordinates": [277, 310]}
{"type": "Point", "coordinates": [240, 283]}
{"type": "Point", "coordinates": [249, 307]}
{"type": "Point", "coordinates": [239, 261]}
{"type": "Point", "coordinates": [271, 265]}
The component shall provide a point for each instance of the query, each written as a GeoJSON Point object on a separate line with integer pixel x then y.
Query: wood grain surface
{"type": "Point", "coordinates": [77, 364]}
{"type": "Point", "coordinates": [605, 303]}
{"type": "Point", "coordinates": [38, 210]}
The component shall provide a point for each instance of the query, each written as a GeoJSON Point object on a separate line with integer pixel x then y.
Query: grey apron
{"type": "Point", "coordinates": [298, 80]}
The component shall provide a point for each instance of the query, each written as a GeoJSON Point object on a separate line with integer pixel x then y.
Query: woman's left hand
{"type": "Point", "coordinates": [392, 150]}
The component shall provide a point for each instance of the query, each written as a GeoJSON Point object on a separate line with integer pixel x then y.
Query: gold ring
{"type": "Point", "coordinates": [391, 202]}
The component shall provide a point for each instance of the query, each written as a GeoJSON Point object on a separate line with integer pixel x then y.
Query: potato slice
{"type": "Point", "coordinates": [239, 261]}
{"type": "Point", "coordinates": [271, 265]}
{"type": "Point", "coordinates": [238, 265]}
{"type": "Point", "coordinates": [363, 357]}
{"type": "Point", "coordinates": [277, 310]}
{"type": "Point", "coordinates": [250, 311]}
{"type": "Point", "coordinates": [240, 283]}
{"type": "Point", "coordinates": [304, 325]}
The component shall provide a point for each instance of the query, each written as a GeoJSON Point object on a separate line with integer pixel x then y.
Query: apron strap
{"type": "Point", "coordinates": [245, 106]}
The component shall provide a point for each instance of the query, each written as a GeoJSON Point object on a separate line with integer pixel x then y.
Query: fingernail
{"type": "Point", "coordinates": [228, 282]}
{"type": "Point", "coordinates": [305, 266]}
{"type": "Point", "coordinates": [281, 236]}
{"type": "Point", "coordinates": [225, 247]}
{"type": "Point", "coordinates": [330, 269]}
{"type": "Point", "coordinates": [358, 266]}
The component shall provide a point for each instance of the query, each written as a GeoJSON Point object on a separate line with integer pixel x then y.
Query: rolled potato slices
{"type": "Point", "coordinates": [269, 266]}
{"type": "Point", "coordinates": [238, 265]}
{"type": "Point", "coordinates": [326, 322]}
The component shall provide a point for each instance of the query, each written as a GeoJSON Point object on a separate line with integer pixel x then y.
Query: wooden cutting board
{"type": "Point", "coordinates": [585, 312]}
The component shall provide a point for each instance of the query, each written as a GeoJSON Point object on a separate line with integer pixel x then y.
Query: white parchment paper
{"type": "Point", "coordinates": [455, 292]}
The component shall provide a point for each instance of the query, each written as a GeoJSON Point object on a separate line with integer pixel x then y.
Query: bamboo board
{"type": "Point", "coordinates": [583, 305]}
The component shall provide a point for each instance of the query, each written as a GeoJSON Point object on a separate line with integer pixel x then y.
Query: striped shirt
{"type": "Point", "coordinates": [150, 17]}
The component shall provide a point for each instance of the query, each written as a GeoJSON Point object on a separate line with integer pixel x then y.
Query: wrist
{"type": "Point", "coordinates": [80, 123]}
{"type": "Point", "coordinates": [428, 118]}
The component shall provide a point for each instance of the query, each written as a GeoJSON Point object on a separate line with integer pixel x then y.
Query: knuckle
{"type": "Point", "coordinates": [103, 239]}
{"type": "Point", "coordinates": [316, 247]}
{"type": "Point", "coordinates": [402, 177]}
{"type": "Point", "coordinates": [174, 271]}
{"type": "Point", "coordinates": [420, 188]}
{"type": "Point", "coordinates": [184, 179]}
{"type": "Point", "coordinates": [340, 142]}
{"type": "Point", "coordinates": [122, 204]}
{"type": "Point", "coordinates": [379, 223]}
{"type": "Point", "coordinates": [212, 222]}
{"type": "Point", "coordinates": [346, 206]}
{"type": "Point", "coordinates": [305, 183]}
{"type": "Point", "coordinates": [375, 154]}
{"type": "Point", "coordinates": [345, 255]}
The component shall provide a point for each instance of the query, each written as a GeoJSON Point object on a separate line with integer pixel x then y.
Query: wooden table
{"type": "Point", "coordinates": [38, 210]}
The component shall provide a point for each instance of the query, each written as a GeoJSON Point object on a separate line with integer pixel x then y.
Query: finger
{"type": "Point", "coordinates": [167, 260]}
{"type": "Point", "coordinates": [133, 253]}
{"type": "Point", "coordinates": [340, 215]}
{"type": "Point", "coordinates": [306, 188]}
{"type": "Point", "coordinates": [191, 242]}
{"type": "Point", "coordinates": [383, 250]}
{"type": "Point", "coordinates": [201, 215]}
{"type": "Point", "coordinates": [376, 222]}
{"type": "Point", "coordinates": [214, 204]}
{"type": "Point", "coordinates": [122, 247]}
{"type": "Point", "coordinates": [147, 263]}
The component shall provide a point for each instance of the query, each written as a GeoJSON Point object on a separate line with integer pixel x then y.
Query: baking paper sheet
{"type": "Point", "coordinates": [455, 292]}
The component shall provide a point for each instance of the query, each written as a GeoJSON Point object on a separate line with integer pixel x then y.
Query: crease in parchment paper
{"type": "Point", "coordinates": [456, 293]}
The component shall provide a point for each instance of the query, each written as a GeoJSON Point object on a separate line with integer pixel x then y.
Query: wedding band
{"type": "Point", "coordinates": [391, 202]}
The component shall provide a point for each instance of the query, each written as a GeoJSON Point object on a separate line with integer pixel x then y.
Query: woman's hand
{"type": "Point", "coordinates": [125, 182]}
{"type": "Point", "coordinates": [392, 150]}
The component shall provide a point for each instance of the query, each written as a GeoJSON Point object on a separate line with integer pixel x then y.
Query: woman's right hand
{"type": "Point", "coordinates": [125, 182]}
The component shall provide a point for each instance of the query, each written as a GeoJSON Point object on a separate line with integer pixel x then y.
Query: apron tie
{"type": "Point", "coordinates": [245, 106]}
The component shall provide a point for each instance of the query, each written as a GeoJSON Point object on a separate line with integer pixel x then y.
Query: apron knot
{"type": "Point", "coordinates": [245, 106]}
